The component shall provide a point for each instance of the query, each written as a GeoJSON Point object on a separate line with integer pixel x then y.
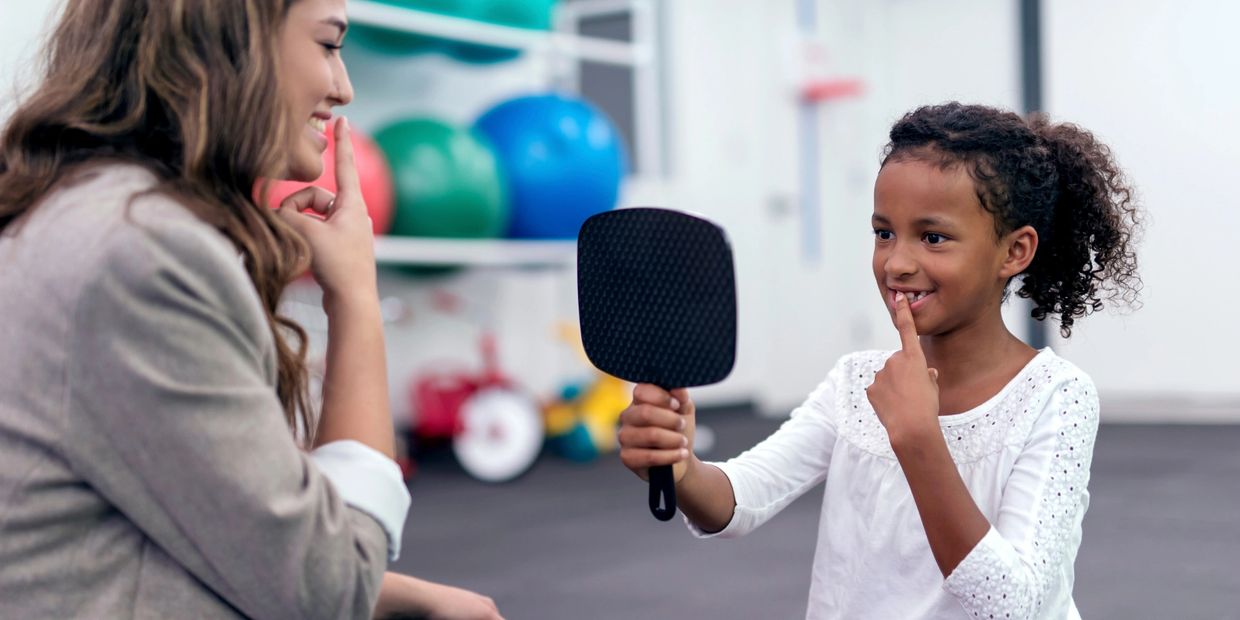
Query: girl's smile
{"type": "Point", "coordinates": [917, 298]}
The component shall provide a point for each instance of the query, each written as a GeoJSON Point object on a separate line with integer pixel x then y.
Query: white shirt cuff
{"type": "Point", "coordinates": [735, 526]}
{"type": "Point", "coordinates": [369, 481]}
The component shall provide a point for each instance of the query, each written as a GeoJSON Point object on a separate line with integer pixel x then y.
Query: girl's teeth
{"type": "Point", "coordinates": [318, 124]}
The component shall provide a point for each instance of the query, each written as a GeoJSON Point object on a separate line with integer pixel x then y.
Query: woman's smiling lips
{"type": "Point", "coordinates": [318, 128]}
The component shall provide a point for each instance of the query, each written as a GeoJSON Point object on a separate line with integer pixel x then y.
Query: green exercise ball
{"type": "Point", "coordinates": [447, 180]}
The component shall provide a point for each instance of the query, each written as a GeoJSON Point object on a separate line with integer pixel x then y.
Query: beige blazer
{"type": "Point", "coordinates": [146, 470]}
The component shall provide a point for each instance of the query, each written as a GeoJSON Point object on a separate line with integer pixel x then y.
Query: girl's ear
{"type": "Point", "coordinates": [1021, 245]}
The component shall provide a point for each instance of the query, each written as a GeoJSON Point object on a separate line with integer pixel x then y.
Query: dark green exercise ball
{"type": "Point", "coordinates": [448, 182]}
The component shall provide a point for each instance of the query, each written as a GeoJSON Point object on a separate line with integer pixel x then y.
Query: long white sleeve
{"type": "Point", "coordinates": [1024, 564]}
{"type": "Point", "coordinates": [781, 468]}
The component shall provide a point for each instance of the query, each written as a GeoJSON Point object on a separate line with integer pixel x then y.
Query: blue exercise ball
{"type": "Point", "coordinates": [563, 160]}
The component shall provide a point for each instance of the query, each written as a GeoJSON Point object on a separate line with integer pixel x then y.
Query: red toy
{"type": "Point", "coordinates": [496, 430]}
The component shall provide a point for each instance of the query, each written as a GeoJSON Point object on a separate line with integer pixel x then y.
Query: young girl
{"type": "Point", "coordinates": [956, 467]}
{"type": "Point", "coordinates": [148, 387]}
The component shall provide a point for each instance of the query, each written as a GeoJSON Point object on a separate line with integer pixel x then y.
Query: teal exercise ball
{"type": "Point", "coordinates": [527, 14]}
{"type": "Point", "coordinates": [398, 42]}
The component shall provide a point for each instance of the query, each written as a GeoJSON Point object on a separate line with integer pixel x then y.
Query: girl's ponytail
{"type": "Point", "coordinates": [1085, 255]}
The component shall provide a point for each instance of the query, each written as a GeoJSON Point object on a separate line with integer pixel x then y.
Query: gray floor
{"type": "Point", "coordinates": [572, 541]}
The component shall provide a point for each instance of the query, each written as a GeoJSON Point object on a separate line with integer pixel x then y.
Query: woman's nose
{"type": "Point", "coordinates": [343, 92]}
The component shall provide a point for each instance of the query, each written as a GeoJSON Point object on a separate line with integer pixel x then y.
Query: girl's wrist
{"type": "Point", "coordinates": [914, 438]}
{"type": "Point", "coordinates": [691, 467]}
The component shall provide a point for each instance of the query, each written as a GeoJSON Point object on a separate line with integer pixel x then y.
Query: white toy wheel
{"type": "Point", "coordinates": [501, 436]}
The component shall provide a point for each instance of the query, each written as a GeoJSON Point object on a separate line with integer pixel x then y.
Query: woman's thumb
{"type": "Point", "coordinates": [934, 375]}
{"type": "Point", "coordinates": [296, 220]}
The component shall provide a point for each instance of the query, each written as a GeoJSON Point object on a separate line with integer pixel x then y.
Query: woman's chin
{"type": "Point", "coordinates": [304, 172]}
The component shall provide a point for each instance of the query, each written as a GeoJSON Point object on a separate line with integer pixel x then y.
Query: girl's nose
{"type": "Point", "coordinates": [899, 264]}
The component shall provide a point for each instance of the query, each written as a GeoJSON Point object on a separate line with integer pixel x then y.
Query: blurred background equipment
{"type": "Point", "coordinates": [563, 161]}
{"type": "Point", "coordinates": [582, 422]}
{"type": "Point", "coordinates": [448, 182]}
{"type": "Point", "coordinates": [496, 429]}
{"type": "Point", "coordinates": [392, 39]}
{"type": "Point", "coordinates": [493, 425]}
{"type": "Point", "coordinates": [536, 15]}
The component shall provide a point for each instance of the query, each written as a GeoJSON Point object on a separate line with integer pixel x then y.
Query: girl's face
{"type": "Point", "coordinates": [313, 79]}
{"type": "Point", "coordinates": [934, 241]}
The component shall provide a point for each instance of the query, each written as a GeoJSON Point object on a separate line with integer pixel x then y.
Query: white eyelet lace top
{"type": "Point", "coordinates": [1024, 455]}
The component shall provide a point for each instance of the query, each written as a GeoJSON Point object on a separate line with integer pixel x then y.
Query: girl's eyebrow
{"type": "Point", "coordinates": [928, 221]}
{"type": "Point", "coordinates": [932, 222]}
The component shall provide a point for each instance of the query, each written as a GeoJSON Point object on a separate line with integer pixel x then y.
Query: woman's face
{"type": "Point", "coordinates": [313, 79]}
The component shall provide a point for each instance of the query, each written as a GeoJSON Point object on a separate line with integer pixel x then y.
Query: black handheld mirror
{"type": "Point", "coordinates": [656, 294]}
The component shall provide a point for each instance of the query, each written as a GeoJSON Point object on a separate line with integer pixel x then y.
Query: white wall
{"type": "Point", "coordinates": [21, 31]}
{"type": "Point", "coordinates": [1157, 80]}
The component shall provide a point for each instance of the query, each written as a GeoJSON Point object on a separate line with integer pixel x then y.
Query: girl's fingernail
{"type": "Point", "coordinates": [684, 442]}
{"type": "Point", "coordinates": [684, 454]}
{"type": "Point", "coordinates": [682, 424]}
{"type": "Point", "coordinates": [675, 405]}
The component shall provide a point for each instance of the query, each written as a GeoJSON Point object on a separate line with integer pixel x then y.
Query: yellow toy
{"type": "Point", "coordinates": [582, 424]}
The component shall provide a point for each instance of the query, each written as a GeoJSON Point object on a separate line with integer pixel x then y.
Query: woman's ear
{"type": "Point", "coordinates": [1021, 245]}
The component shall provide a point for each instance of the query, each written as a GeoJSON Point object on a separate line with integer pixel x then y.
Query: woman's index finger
{"type": "Point", "coordinates": [347, 183]}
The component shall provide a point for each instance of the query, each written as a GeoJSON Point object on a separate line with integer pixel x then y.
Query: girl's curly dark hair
{"type": "Point", "coordinates": [1057, 178]}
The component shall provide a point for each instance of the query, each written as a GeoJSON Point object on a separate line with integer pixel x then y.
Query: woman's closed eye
{"type": "Point", "coordinates": [332, 48]}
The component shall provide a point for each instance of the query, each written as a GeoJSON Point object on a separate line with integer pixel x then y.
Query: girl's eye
{"type": "Point", "coordinates": [935, 238]}
{"type": "Point", "coordinates": [332, 47]}
{"type": "Point", "coordinates": [883, 235]}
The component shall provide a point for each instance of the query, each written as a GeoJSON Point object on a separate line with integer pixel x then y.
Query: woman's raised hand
{"type": "Point", "coordinates": [338, 228]}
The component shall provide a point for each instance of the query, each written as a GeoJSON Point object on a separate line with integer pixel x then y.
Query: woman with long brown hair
{"type": "Point", "coordinates": [152, 398]}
